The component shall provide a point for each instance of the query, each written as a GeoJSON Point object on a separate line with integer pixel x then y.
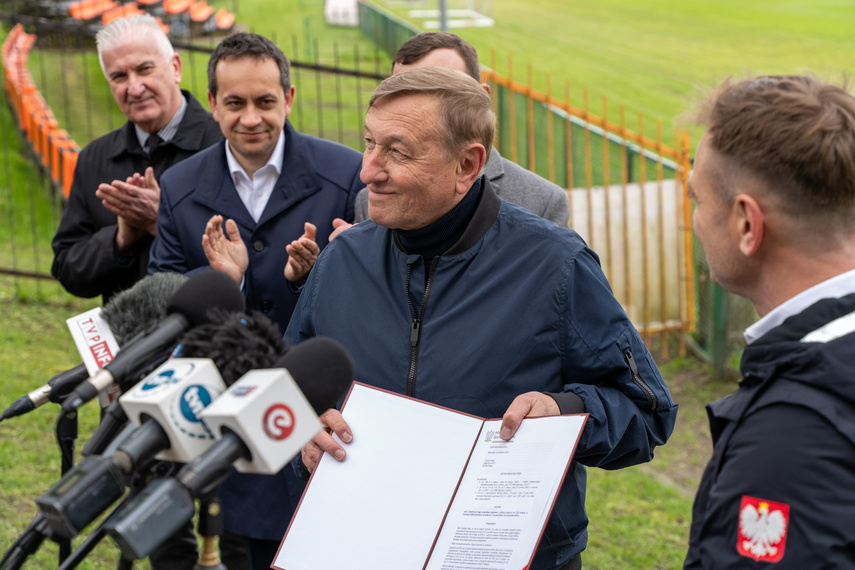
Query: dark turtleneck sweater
{"type": "Point", "coordinates": [438, 237]}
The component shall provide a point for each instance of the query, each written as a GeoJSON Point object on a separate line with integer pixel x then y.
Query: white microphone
{"type": "Point", "coordinates": [166, 407]}
{"type": "Point", "coordinates": [264, 419]}
{"type": "Point", "coordinates": [174, 396]}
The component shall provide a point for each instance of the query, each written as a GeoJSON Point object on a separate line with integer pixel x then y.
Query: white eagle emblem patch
{"type": "Point", "coordinates": [762, 529]}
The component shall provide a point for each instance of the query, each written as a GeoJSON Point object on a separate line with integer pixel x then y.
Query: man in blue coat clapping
{"type": "Point", "coordinates": [278, 192]}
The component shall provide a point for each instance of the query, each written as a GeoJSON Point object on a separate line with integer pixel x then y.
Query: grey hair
{"type": "Point", "coordinates": [466, 112]}
{"type": "Point", "coordinates": [136, 27]}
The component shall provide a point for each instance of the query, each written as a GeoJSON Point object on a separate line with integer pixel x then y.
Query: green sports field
{"type": "Point", "coordinates": [657, 56]}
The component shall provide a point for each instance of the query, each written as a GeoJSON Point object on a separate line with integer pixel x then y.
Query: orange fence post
{"type": "Point", "coordinates": [550, 135]}
{"type": "Point", "coordinates": [568, 136]}
{"type": "Point", "coordinates": [512, 114]}
{"type": "Point", "coordinates": [662, 274]}
{"type": "Point", "coordinates": [69, 162]}
{"type": "Point", "coordinates": [642, 175]}
{"type": "Point", "coordinates": [685, 153]}
{"type": "Point", "coordinates": [487, 77]}
{"type": "Point", "coordinates": [532, 159]}
{"type": "Point", "coordinates": [57, 140]}
{"type": "Point", "coordinates": [607, 194]}
{"type": "Point", "coordinates": [589, 175]}
{"type": "Point", "coordinates": [46, 122]}
{"type": "Point", "coordinates": [627, 273]}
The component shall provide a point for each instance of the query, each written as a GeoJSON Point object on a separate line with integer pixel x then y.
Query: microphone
{"type": "Point", "coordinates": [265, 418]}
{"type": "Point", "coordinates": [236, 342]}
{"type": "Point", "coordinates": [132, 310]}
{"type": "Point", "coordinates": [165, 406]}
{"type": "Point", "coordinates": [55, 390]}
{"type": "Point", "coordinates": [142, 306]}
{"type": "Point", "coordinates": [187, 307]}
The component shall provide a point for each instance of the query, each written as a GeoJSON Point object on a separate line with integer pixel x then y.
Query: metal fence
{"type": "Point", "coordinates": [56, 100]}
{"type": "Point", "coordinates": [386, 30]}
{"type": "Point", "coordinates": [627, 192]}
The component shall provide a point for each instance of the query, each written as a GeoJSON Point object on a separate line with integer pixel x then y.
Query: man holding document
{"type": "Point", "coordinates": [453, 296]}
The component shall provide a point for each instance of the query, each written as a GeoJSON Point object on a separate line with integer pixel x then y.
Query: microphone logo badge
{"type": "Point", "coordinates": [194, 399]}
{"type": "Point", "coordinates": [167, 377]}
{"type": "Point", "coordinates": [278, 422]}
{"type": "Point", "coordinates": [185, 416]}
{"type": "Point", "coordinates": [240, 391]}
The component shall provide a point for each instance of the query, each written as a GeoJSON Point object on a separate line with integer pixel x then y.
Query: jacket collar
{"type": "Point", "coordinates": [482, 220]}
{"type": "Point", "coordinates": [189, 136]}
{"type": "Point", "coordinates": [779, 348]}
{"type": "Point", "coordinates": [485, 215]}
{"type": "Point", "coordinates": [297, 181]}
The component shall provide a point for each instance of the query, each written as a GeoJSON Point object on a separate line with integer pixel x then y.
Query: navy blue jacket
{"type": "Point", "coordinates": [518, 304]}
{"type": "Point", "coordinates": [318, 183]}
{"type": "Point", "coordinates": [786, 437]}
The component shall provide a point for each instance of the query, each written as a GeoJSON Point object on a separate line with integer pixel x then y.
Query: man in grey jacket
{"type": "Point", "coordinates": [511, 182]}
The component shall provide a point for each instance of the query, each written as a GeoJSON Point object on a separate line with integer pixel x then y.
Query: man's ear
{"type": "Point", "coordinates": [176, 67]}
{"type": "Point", "coordinates": [471, 163]}
{"type": "Point", "coordinates": [212, 101]}
{"type": "Point", "coordinates": [751, 224]}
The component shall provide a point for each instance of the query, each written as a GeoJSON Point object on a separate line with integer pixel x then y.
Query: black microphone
{"type": "Point", "coordinates": [236, 342]}
{"type": "Point", "coordinates": [55, 390]}
{"type": "Point", "coordinates": [127, 313]}
{"type": "Point", "coordinates": [142, 306]}
{"type": "Point", "coordinates": [165, 406]}
{"type": "Point", "coordinates": [189, 306]}
{"type": "Point", "coordinates": [321, 369]}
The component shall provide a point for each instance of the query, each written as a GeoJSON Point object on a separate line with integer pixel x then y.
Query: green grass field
{"type": "Point", "coordinates": [653, 57]}
{"type": "Point", "coordinates": [657, 56]}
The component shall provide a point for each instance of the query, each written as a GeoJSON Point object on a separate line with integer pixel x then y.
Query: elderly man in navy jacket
{"type": "Point", "coordinates": [451, 295]}
{"type": "Point", "coordinates": [279, 191]}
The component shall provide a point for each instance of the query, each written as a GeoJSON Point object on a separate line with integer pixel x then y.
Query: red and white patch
{"type": "Point", "coordinates": [763, 529]}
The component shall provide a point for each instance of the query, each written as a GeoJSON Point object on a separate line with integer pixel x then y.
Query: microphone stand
{"type": "Point", "coordinates": [66, 436]}
{"type": "Point", "coordinates": [25, 545]}
{"type": "Point", "coordinates": [209, 528]}
{"type": "Point", "coordinates": [29, 541]}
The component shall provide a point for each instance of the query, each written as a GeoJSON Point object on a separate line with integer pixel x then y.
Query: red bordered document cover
{"type": "Point", "coordinates": [428, 487]}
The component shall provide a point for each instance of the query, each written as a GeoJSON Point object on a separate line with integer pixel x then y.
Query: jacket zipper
{"type": "Point", "coordinates": [636, 379]}
{"type": "Point", "coordinates": [415, 331]}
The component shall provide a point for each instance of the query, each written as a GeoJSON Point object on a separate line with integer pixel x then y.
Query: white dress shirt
{"type": "Point", "coordinates": [836, 287]}
{"type": "Point", "coordinates": [255, 192]}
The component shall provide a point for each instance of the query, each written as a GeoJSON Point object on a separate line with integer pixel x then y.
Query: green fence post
{"type": "Point", "coordinates": [721, 305]}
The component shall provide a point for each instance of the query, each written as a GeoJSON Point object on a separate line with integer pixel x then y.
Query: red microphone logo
{"type": "Point", "coordinates": [278, 422]}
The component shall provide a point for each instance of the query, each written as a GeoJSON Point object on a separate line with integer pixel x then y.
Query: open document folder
{"type": "Point", "coordinates": [427, 487]}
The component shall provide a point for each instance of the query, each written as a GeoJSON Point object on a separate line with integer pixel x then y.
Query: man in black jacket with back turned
{"type": "Point", "coordinates": [103, 240]}
{"type": "Point", "coordinates": [774, 187]}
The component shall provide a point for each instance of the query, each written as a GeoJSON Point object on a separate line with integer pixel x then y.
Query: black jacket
{"type": "Point", "coordinates": [86, 261]}
{"type": "Point", "coordinates": [785, 441]}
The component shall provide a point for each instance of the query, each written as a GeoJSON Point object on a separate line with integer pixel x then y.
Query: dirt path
{"type": "Point", "coordinates": [680, 463]}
